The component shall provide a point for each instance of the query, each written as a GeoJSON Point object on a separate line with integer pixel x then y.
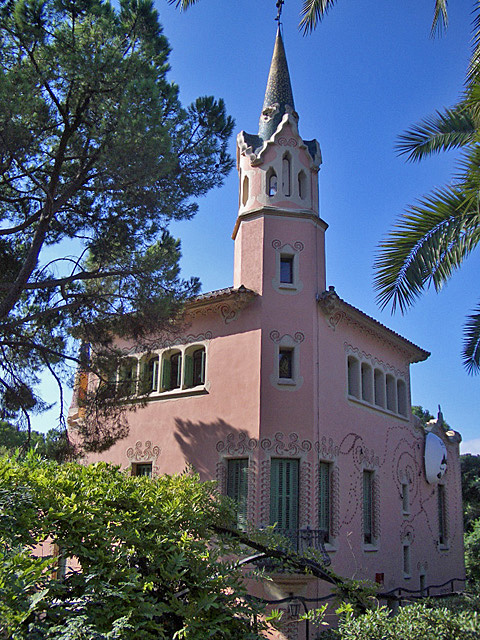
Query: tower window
{"type": "Point", "coordinates": [286, 269]}
{"type": "Point", "coordinates": [286, 173]}
{"type": "Point", "coordinates": [285, 363]}
{"type": "Point", "coordinates": [302, 185]}
{"type": "Point", "coordinates": [272, 183]}
{"type": "Point", "coordinates": [245, 190]}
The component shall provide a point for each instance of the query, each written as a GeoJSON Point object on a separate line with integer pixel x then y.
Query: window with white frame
{"type": "Point", "coordinates": [172, 370]}
{"type": "Point", "coordinates": [287, 268]}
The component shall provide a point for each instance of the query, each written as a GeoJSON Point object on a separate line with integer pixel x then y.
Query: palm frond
{"type": "Point", "coordinates": [313, 12]}
{"type": "Point", "coordinates": [450, 129]}
{"type": "Point", "coordinates": [183, 5]}
{"type": "Point", "coordinates": [428, 243]}
{"type": "Point", "coordinates": [440, 17]}
{"type": "Point", "coordinates": [474, 65]}
{"type": "Point", "coordinates": [471, 342]}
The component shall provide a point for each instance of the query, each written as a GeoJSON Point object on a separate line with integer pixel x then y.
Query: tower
{"type": "Point", "coordinates": [278, 182]}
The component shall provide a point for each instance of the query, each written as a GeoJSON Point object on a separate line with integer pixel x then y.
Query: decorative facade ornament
{"type": "Point", "coordinates": [275, 336]}
{"type": "Point", "coordinates": [236, 444]}
{"type": "Point", "coordinates": [142, 454]}
{"type": "Point", "coordinates": [292, 448]}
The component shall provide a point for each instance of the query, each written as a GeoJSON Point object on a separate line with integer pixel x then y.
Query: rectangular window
{"type": "Point", "coordinates": [284, 494]}
{"type": "Point", "coordinates": [143, 469]}
{"type": "Point", "coordinates": [442, 520]}
{"type": "Point", "coordinates": [237, 488]}
{"type": "Point", "coordinates": [286, 269]}
{"type": "Point", "coordinates": [285, 363]}
{"type": "Point", "coordinates": [368, 507]}
{"type": "Point", "coordinates": [406, 561]}
{"type": "Point", "coordinates": [324, 471]}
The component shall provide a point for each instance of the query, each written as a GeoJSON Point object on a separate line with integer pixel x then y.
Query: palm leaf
{"type": "Point", "coordinates": [440, 16]}
{"type": "Point", "coordinates": [450, 129]}
{"type": "Point", "coordinates": [313, 11]}
{"type": "Point", "coordinates": [474, 65]}
{"type": "Point", "coordinates": [183, 5]}
{"type": "Point", "coordinates": [428, 243]}
{"type": "Point", "coordinates": [471, 342]}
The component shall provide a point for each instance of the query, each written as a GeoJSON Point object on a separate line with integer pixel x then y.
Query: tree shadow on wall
{"type": "Point", "coordinates": [201, 443]}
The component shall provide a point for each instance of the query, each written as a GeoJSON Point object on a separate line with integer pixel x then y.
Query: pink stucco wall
{"type": "Point", "coordinates": [244, 410]}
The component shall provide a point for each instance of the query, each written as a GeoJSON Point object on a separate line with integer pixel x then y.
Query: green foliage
{"type": "Point", "coordinates": [97, 155]}
{"type": "Point", "coordinates": [53, 445]}
{"type": "Point", "coordinates": [424, 415]}
{"type": "Point", "coordinates": [470, 465]}
{"type": "Point", "coordinates": [152, 566]}
{"type": "Point", "coordinates": [472, 555]}
{"type": "Point", "coordinates": [415, 622]}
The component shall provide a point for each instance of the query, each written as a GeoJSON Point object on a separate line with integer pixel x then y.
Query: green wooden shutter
{"type": "Point", "coordinates": [188, 376]}
{"type": "Point", "coordinates": [143, 385]}
{"type": "Point", "coordinates": [237, 488]}
{"type": "Point", "coordinates": [324, 498]}
{"type": "Point", "coordinates": [284, 493]}
{"type": "Point", "coordinates": [166, 369]}
{"type": "Point", "coordinates": [368, 507]}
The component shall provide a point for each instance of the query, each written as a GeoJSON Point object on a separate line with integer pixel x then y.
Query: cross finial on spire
{"type": "Point", "coordinates": [279, 6]}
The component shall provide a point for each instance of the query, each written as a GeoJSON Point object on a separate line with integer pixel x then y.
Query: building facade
{"type": "Point", "coordinates": [296, 402]}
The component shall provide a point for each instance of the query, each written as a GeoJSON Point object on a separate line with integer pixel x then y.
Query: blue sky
{"type": "Point", "coordinates": [368, 72]}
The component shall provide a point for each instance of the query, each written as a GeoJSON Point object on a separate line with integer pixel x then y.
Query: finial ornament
{"type": "Point", "coordinates": [279, 6]}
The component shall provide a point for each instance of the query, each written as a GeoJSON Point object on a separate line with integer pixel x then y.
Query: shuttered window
{"type": "Point", "coordinates": [324, 471]}
{"type": "Point", "coordinates": [237, 488]}
{"type": "Point", "coordinates": [368, 507]}
{"type": "Point", "coordinates": [284, 493]}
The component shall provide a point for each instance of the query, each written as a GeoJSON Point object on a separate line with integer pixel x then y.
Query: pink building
{"type": "Point", "coordinates": [295, 401]}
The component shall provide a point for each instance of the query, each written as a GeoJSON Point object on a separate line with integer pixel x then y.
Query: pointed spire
{"type": "Point", "coordinates": [278, 95]}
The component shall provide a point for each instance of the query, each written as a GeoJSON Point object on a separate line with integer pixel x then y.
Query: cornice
{"type": "Point", "coordinates": [337, 310]}
{"type": "Point", "coordinates": [273, 212]}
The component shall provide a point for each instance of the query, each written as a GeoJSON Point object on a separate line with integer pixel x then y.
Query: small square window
{"type": "Point", "coordinates": [286, 269]}
{"type": "Point", "coordinates": [144, 469]}
{"type": "Point", "coordinates": [285, 363]}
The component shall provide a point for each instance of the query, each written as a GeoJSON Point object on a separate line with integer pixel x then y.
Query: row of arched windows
{"type": "Point", "coordinates": [374, 386]}
{"type": "Point", "coordinates": [272, 182]}
{"type": "Point", "coordinates": [156, 373]}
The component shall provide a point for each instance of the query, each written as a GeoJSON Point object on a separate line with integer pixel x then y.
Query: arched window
{"type": "Point", "coordinates": [245, 190]}
{"type": "Point", "coordinates": [127, 377]}
{"type": "Point", "coordinates": [172, 371]}
{"type": "Point", "coordinates": [391, 393]}
{"type": "Point", "coordinates": [286, 175]}
{"type": "Point", "coordinates": [272, 184]}
{"type": "Point", "coordinates": [194, 367]}
{"type": "Point", "coordinates": [379, 388]}
{"type": "Point", "coordinates": [402, 397]}
{"type": "Point", "coordinates": [150, 374]}
{"type": "Point", "coordinates": [367, 382]}
{"type": "Point", "coordinates": [353, 377]}
{"type": "Point", "coordinates": [302, 185]}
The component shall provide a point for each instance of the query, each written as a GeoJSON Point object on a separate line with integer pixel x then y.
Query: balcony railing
{"type": "Point", "coordinates": [298, 540]}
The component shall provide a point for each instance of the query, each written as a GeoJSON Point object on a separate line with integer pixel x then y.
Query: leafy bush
{"type": "Point", "coordinates": [413, 622]}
